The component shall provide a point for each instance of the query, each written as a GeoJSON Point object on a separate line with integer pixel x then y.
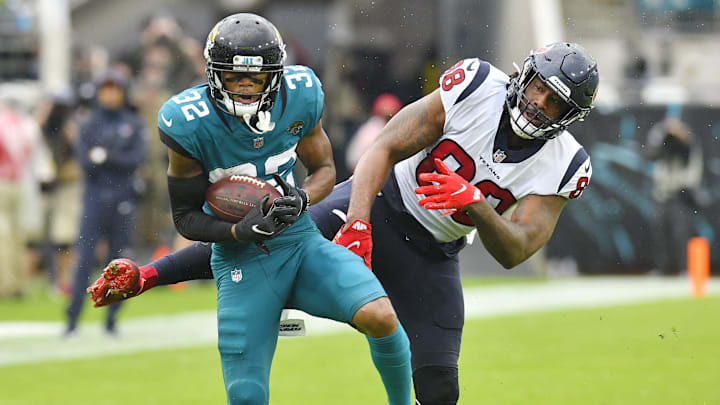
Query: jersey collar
{"type": "Point", "coordinates": [513, 155]}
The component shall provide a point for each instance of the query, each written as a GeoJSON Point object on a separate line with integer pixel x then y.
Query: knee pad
{"type": "Point", "coordinates": [246, 392]}
{"type": "Point", "coordinates": [436, 385]}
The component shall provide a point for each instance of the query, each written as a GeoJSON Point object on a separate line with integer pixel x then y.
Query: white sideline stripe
{"type": "Point", "coordinates": [575, 293]}
{"type": "Point", "coordinates": [36, 342]}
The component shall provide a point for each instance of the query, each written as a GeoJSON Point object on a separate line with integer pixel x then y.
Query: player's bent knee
{"type": "Point", "coordinates": [376, 318]}
{"type": "Point", "coordinates": [436, 385]}
{"type": "Point", "coordinates": [246, 392]}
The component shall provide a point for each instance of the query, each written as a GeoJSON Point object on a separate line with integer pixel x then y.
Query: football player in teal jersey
{"type": "Point", "coordinates": [256, 117]}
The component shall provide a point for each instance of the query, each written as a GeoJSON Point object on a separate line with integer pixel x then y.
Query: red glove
{"type": "Point", "coordinates": [121, 279]}
{"type": "Point", "coordinates": [451, 193]}
{"type": "Point", "coordinates": [358, 238]}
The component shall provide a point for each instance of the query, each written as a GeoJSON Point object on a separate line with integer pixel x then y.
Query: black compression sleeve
{"type": "Point", "coordinates": [187, 196]}
{"type": "Point", "coordinates": [189, 263]}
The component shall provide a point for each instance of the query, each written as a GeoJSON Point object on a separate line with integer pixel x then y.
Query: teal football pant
{"type": "Point", "coordinates": [313, 275]}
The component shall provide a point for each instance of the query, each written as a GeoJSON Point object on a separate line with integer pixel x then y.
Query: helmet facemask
{"type": "Point", "coordinates": [255, 114]}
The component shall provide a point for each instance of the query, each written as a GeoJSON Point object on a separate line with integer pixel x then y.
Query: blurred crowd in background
{"type": "Point", "coordinates": [42, 175]}
{"type": "Point", "coordinates": [44, 155]}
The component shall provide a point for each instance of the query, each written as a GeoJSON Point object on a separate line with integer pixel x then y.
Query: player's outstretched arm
{"type": "Point", "coordinates": [415, 127]}
{"type": "Point", "coordinates": [510, 242]}
{"type": "Point", "coordinates": [513, 241]}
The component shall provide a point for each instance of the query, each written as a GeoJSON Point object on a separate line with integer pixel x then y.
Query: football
{"type": "Point", "coordinates": [232, 197]}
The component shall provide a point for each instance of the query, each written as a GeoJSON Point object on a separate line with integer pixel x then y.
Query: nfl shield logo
{"type": "Point", "coordinates": [499, 156]}
{"type": "Point", "coordinates": [236, 275]}
{"type": "Point", "coordinates": [258, 142]}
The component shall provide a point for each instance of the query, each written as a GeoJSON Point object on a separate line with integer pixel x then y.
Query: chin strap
{"type": "Point", "coordinates": [263, 123]}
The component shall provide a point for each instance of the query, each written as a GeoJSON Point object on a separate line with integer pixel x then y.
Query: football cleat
{"type": "Point", "coordinates": [121, 279]}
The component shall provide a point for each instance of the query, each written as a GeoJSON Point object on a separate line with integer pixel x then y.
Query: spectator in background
{"type": "Point", "coordinates": [343, 116]}
{"type": "Point", "coordinates": [384, 107]}
{"type": "Point", "coordinates": [636, 67]}
{"type": "Point", "coordinates": [167, 61]}
{"type": "Point", "coordinates": [110, 147]}
{"type": "Point", "coordinates": [19, 141]}
{"type": "Point", "coordinates": [57, 119]}
{"type": "Point", "coordinates": [678, 170]}
{"type": "Point", "coordinates": [166, 56]}
{"type": "Point", "coordinates": [88, 62]}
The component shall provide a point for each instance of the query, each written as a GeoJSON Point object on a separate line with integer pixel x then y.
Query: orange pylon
{"type": "Point", "coordinates": [698, 256]}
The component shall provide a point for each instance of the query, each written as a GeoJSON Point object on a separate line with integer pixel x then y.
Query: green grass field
{"type": "Point", "coordinates": [664, 352]}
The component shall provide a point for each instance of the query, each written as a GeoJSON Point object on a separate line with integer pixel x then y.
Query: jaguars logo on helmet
{"type": "Point", "coordinates": [567, 69]}
{"type": "Point", "coordinates": [245, 43]}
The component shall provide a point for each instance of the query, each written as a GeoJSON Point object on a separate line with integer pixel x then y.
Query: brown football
{"type": "Point", "coordinates": [232, 197]}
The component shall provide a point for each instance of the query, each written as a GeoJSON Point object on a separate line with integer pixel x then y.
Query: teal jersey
{"type": "Point", "coordinates": [225, 146]}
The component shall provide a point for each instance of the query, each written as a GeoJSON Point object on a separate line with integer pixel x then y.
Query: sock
{"type": "Point", "coordinates": [391, 355]}
{"type": "Point", "coordinates": [150, 275]}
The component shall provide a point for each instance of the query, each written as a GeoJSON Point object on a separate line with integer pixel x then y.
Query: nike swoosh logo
{"type": "Point", "coordinates": [340, 214]}
{"type": "Point", "coordinates": [587, 168]}
{"type": "Point", "coordinates": [167, 122]}
{"type": "Point", "coordinates": [463, 188]}
{"type": "Point", "coordinates": [350, 246]}
{"type": "Point", "coordinates": [260, 231]}
{"type": "Point", "coordinates": [471, 66]}
{"type": "Point", "coordinates": [142, 285]}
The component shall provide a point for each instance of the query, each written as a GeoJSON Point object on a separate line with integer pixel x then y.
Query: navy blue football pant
{"type": "Point", "coordinates": [420, 275]}
{"type": "Point", "coordinates": [105, 217]}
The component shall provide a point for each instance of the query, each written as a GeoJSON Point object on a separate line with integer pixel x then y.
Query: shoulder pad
{"type": "Point", "coordinates": [181, 112]}
{"type": "Point", "coordinates": [458, 82]}
{"type": "Point", "coordinates": [577, 176]}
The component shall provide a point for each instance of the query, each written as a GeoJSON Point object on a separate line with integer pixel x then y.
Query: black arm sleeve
{"type": "Point", "coordinates": [187, 196]}
{"type": "Point", "coordinates": [189, 263]}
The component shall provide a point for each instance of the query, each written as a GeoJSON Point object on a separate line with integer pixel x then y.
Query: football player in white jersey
{"type": "Point", "coordinates": [445, 165]}
{"type": "Point", "coordinates": [458, 158]}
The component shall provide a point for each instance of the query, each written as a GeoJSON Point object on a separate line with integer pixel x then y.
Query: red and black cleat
{"type": "Point", "coordinates": [120, 280]}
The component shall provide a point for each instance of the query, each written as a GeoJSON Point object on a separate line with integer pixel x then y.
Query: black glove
{"type": "Point", "coordinates": [295, 198]}
{"type": "Point", "coordinates": [258, 227]}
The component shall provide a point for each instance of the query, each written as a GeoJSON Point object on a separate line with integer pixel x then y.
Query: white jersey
{"type": "Point", "coordinates": [473, 96]}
